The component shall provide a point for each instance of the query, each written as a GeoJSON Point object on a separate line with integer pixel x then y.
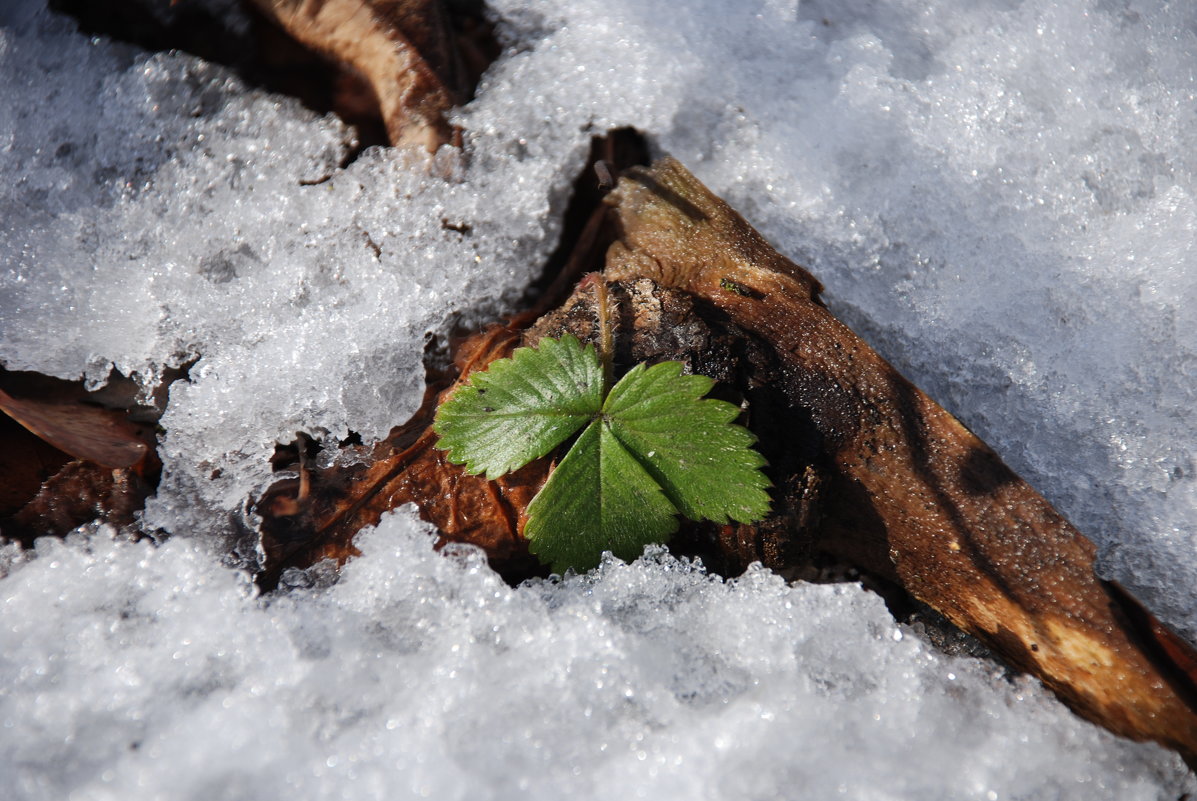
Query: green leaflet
{"type": "Point", "coordinates": [597, 499]}
{"type": "Point", "coordinates": [521, 408]}
{"type": "Point", "coordinates": [652, 448]}
{"type": "Point", "coordinates": [706, 466]}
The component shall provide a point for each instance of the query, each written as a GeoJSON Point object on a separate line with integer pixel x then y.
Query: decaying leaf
{"type": "Point", "coordinates": [67, 459]}
{"type": "Point", "coordinates": [867, 469]}
{"type": "Point", "coordinates": [404, 48]}
{"type": "Point", "coordinates": [316, 516]}
{"type": "Point", "coordinates": [86, 432]}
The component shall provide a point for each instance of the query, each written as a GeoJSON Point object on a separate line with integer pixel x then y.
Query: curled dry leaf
{"type": "Point", "coordinates": [404, 48]}
{"type": "Point", "coordinates": [867, 469]}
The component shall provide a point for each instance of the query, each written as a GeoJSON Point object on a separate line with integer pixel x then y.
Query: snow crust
{"type": "Point", "coordinates": [156, 674]}
{"type": "Point", "coordinates": [1000, 196]}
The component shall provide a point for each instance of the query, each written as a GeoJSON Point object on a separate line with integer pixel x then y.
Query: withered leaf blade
{"type": "Point", "coordinates": [69, 456]}
{"type": "Point", "coordinates": [913, 494]}
{"type": "Point", "coordinates": [404, 48]}
{"type": "Point", "coordinates": [86, 432]}
{"type": "Point", "coordinates": [80, 492]}
{"type": "Point", "coordinates": [316, 517]}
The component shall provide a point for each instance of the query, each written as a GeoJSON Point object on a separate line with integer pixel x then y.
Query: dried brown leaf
{"type": "Point", "coordinates": [98, 435]}
{"type": "Point", "coordinates": [68, 456]}
{"type": "Point", "coordinates": [316, 516]}
{"type": "Point", "coordinates": [79, 493]}
{"type": "Point", "coordinates": [404, 48]}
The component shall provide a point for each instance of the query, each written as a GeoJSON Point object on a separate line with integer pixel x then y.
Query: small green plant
{"type": "Point", "coordinates": [651, 447]}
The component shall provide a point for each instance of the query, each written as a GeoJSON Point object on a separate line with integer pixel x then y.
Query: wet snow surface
{"type": "Point", "coordinates": [1000, 196]}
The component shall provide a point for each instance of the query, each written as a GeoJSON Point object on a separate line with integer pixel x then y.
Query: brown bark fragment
{"type": "Point", "coordinates": [914, 494]}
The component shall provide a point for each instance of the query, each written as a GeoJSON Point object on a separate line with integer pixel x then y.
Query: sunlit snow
{"type": "Point", "coordinates": [1000, 196]}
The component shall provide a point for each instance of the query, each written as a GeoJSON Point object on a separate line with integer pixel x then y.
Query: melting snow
{"type": "Point", "coordinates": [1000, 196]}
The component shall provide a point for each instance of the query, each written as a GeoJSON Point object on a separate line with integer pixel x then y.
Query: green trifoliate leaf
{"type": "Point", "coordinates": [652, 448]}
{"type": "Point", "coordinates": [521, 408]}
{"type": "Point", "coordinates": [599, 498]}
{"type": "Point", "coordinates": [705, 464]}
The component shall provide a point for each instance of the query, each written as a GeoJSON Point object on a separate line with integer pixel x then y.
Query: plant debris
{"type": "Point", "coordinates": [70, 456]}
{"type": "Point", "coordinates": [869, 471]}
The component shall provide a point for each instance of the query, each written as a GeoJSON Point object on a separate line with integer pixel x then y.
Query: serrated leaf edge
{"type": "Point", "coordinates": [692, 390]}
{"type": "Point", "coordinates": [483, 380]}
